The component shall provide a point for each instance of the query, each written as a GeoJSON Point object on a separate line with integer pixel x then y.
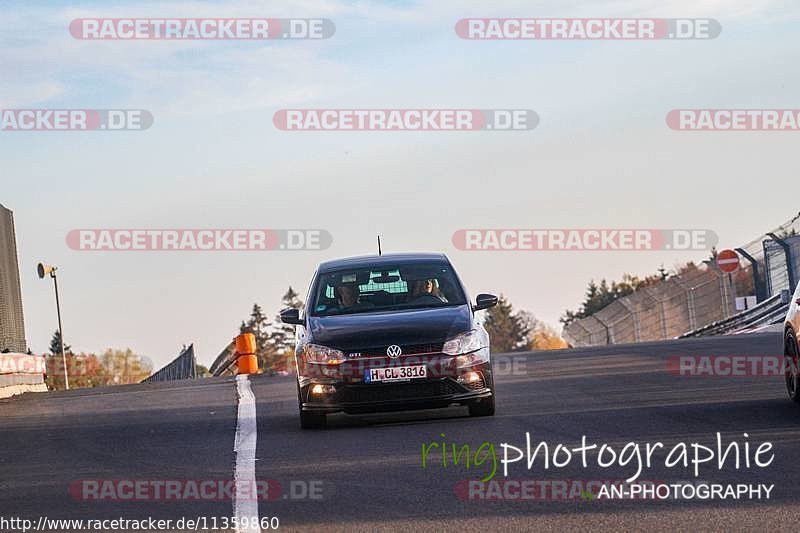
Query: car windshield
{"type": "Point", "coordinates": [399, 286]}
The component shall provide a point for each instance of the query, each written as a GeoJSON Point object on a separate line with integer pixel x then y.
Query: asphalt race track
{"type": "Point", "coordinates": [365, 472]}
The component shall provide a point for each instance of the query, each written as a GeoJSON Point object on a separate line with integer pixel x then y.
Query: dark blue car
{"type": "Point", "coordinates": [390, 332]}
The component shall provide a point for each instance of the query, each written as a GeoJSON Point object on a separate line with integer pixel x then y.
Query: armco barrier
{"type": "Point", "coordinates": [770, 311]}
{"type": "Point", "coordinates": [701, 300]}
{"type": "Point", "coordinates": [662, 311]}
{"type": "Point", "coordinates": [183, 367]}
{"type": "Point", "coordinates": [224, 363]}
{"type": "Point", "coordinates": [21, 373]}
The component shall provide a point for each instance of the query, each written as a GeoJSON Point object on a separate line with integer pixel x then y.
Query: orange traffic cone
{"type": "Point", "coordinates": [246, 360]}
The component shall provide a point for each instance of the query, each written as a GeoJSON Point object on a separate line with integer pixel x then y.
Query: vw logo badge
{"type": "Point", "coordinates": [393, 351]}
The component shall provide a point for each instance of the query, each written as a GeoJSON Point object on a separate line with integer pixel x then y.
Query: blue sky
{"type": "Point", "coordinates": [601, 156]}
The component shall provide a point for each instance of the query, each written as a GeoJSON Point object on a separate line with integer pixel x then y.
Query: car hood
{"type": "Point", "coordinates": [364, 330]}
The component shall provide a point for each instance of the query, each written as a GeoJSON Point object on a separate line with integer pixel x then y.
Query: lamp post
{"type": "Point", "coordinates": [44, 270]}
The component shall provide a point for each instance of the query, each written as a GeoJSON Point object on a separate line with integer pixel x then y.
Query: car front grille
{"type": "Point", "coordinates": [399, 391]}
{"type": "Point", "coordinates": [407, 349]}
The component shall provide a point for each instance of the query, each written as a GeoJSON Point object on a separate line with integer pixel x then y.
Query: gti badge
{"type": "Point", "coordinates": [393, 351]}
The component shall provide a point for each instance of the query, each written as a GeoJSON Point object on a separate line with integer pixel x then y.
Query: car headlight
{"type": "Point", "coordinates": [315, 353]}
{"type": "Point", "coordinates": [472, 348]}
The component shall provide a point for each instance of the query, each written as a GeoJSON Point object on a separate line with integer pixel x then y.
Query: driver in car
{"type": "Point", "coordinates": [427, 291]}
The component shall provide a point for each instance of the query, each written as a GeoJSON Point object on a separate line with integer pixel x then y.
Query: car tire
{"type": "Point", "coordinates": [483, 407]}
{"type": "Point", "coordinates": [791, 374]}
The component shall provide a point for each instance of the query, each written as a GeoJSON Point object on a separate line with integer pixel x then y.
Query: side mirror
{"type": "Point", "coordinates": [484, 301]}
{"type": "Point", "coordinates": [290, 315]}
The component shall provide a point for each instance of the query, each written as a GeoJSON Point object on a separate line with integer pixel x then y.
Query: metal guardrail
{"type": "Point", "coordinates": [183, 367]}
{"type": "Point", "coordinates": [696, 297]}
{"type": "Point", "coordinates": [770, 311]}
{"type": "Point", "coordinates": [224, 363]}
{"type": "Point", "coordinates": [699, 300]}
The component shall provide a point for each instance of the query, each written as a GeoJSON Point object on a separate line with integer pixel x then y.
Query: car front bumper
{"type": "Point", "coordinates": [397, 396]}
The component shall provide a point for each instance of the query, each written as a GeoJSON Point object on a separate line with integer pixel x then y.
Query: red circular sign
{"type": "Point", "coordinates": [728, 261]}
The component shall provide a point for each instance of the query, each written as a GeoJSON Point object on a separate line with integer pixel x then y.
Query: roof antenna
{"type": "Point", "coordinates": [379, 245]}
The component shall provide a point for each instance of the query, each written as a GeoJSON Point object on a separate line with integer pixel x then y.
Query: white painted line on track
{"type": "Point", "coordinates": [245, 506]}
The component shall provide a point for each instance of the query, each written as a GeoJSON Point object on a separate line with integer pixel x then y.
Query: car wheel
{"type": "Point", "coordinates": [791, 371]}
{"type": "Point", "coordinates": [483, 407]}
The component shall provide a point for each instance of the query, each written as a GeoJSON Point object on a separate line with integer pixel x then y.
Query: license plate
{"type": "Point", "coordinates": [396, 373]}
